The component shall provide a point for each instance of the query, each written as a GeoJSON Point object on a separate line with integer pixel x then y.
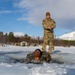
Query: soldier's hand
{"type": "Point", "coordinates": [49, 27]}
{"type": "Point", "coordinates": [52, 27]}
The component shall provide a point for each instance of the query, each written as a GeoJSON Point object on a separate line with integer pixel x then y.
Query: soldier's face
{"type": "Point", "coordinates": [48, 16]}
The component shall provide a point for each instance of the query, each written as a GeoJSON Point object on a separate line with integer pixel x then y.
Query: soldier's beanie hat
{"type": "Point", "coordinates": [37, 52]}
{"type": "Point", "coordinates": [47, 13]}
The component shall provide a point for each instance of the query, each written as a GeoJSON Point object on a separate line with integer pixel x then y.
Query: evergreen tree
{"type": "Point", "coordinates": [11, 37]}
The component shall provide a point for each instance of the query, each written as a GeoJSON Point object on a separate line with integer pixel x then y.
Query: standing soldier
{"type": "Point", "coordinates": [48, 25]}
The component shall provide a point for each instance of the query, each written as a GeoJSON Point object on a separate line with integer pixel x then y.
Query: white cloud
{"type": "Point", "coordinates": [5, 11]}
{"type": "Point", "coordinates": [61, 10]}
{"type": "Point", "coordinates": [17, 34]}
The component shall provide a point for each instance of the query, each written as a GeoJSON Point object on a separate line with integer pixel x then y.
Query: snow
{"type": "Point", "coordinates": [65, 54]}
{"type": "Point", "coordinates": [68, 36]}
{"type": "Point", "coordinates": [18, 34]}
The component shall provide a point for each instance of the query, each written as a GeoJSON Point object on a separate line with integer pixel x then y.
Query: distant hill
{"type": "Point", "coordinates": [68, 36]}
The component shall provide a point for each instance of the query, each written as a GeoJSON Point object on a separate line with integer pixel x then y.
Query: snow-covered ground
{"type": "Point", "coordinates": [62, 54]}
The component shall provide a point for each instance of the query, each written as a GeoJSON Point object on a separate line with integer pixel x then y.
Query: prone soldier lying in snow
{"type": "Point", "coordinates": [38, 56]}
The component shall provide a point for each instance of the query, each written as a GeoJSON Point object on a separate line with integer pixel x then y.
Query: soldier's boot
{"type": "Point", "coordinates": [43, 49]}
{"type": "Point", "coordinates": [50, 51]}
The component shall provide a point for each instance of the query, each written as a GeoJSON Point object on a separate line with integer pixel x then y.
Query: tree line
{"type": "Point", "coordinates": [9, 38]}
{"type": "Point", "coordinates": [65, 43]}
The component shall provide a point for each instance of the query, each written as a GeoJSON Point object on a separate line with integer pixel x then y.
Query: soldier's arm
{"type": "Point", "coordinates": [54, 24]}
{"type": "Point", "coordinates": [45, 26]}
{"type": "Point", "coordinates": [28, 58]}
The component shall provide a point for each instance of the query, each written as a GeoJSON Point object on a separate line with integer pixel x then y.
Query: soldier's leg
{"type": "Point", "coordinates": [45, 42]}
{"type": "Point", "coordinates": [51, 43]}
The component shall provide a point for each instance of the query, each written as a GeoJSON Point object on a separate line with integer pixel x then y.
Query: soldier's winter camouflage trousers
{"type": "Point", "coordinates": [48, 40]}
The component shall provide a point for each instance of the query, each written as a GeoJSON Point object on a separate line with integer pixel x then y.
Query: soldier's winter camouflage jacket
{"type": "Point", "coordinates": [45, 57]}
{"type": "Point", "coordinates": [47, 23]}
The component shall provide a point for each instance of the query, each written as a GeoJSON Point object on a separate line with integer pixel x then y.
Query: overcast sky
{"type": "Point", "coordinates": [26, 15]}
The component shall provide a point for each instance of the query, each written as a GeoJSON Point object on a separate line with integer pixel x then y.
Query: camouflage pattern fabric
{"type": "Point", "coordinates": [48, 33]}
{"type": "Point", "coordinates": [45, 57]}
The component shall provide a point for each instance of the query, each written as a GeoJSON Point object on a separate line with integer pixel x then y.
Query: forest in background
{"type": "Point", "coordinates": [9, 38]}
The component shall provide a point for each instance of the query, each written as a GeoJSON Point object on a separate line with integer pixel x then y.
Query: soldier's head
{"type": "Point", "coordinates": [37, 54]}
{"type": "Point", "coordinates": [48, 15]}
